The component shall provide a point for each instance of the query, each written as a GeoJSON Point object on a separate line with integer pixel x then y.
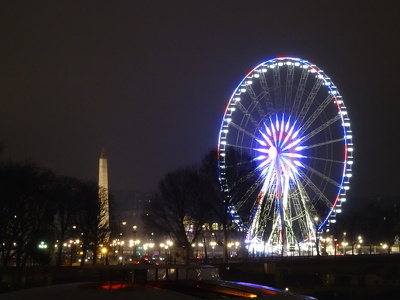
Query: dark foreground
{"type": "Point", "coordinates": [167, 290]}
{"type": "Point", "coordinates": [348, 277]}
{"type": "Point", "coordinates": [340, 277]}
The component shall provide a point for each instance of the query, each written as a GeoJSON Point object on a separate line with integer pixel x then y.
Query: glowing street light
{"type": "Point", "coordinates": [42, 245]}
{"type": "Point", "coordinates": [104, 252]}
{"type": "Point", "coordinates": [134, 231]}
{"type": "Point", "coordinates": [213, 244]}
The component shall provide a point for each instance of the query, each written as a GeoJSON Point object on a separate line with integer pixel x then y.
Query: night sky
{"type": "Point", "coordinates": [149, 80]}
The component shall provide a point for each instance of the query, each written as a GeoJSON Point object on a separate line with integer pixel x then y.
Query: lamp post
{"type": "Point", "coordinates": [134, 230]}
{"type": "Point", "coordinates": [205, 249]}
{"type": "Point", "coordinates": [196, 251]}
{"type": "Point", "coordinates": [344, 243]}
{"type": "Point", "coordinates": [104, 251]}
{"type": "Point", "coordinates": [237, 244]}
{"type": "Point", "coordinates": [316, 235]}
{"type": "Point", "coordinates": [360, 241]}
{"type": "Point", "coordinates": [73, 245]}
{"type": "Point", "coordinates": [213, 244]}
{"type": "Point", "coordinates": [169, 245]}
{"type": "Point", "coordinates": [229, 249]}
{"type": "Point", "coordinates": [151, 246]}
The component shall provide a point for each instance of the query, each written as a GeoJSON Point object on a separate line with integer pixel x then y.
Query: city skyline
{"type": "Point", "coordinates": [150, 82]}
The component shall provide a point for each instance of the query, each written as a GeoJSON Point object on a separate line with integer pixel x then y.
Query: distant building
{"type": "Point", "coordinates": [129, 209]}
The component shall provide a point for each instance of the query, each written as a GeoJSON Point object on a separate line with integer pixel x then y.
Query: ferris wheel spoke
{"type": "Point", "coordinates": [247, 114]}
{"type": "Point", "coordinates": [320, 128]}
{"type": "Point", "coordinates": [324, 177]}
{"type": "Point", "coordinates": [299, 92]}
{"type": "Point", "coordinates": [308, 210]}
{"type": "Point", "coordinates": [324, 143]}
{"type": "Point", "coordinates": [326, 159]}
{"type": "Point", "coordinates": [242, 179]}
{"type": "Point", "coordinates": [298, 208]}
{"type": "Point", "coordinates": [277, 85]}
{"type": "Point", "coordinates": [289, 86]}
{"type": "Point", "coordinates": [320, 195]}
{"type": "Point", "coordinates": [256, 214]}
{"type": "Point", "coordinates": [267, 96]}
{"type": "Point", "coordinates": [244, 163]}
{"type": "Point", "coordinates": [239, 147]}
{"type": "Point", "coordinates": [309, 100]}
{"type": "Point", "coordinates": [249, 192]}
{"type": "Point", "coordinates": [241, 129]}
{"type": "Point", "coordinates": [256, 100]}
{"type": "Point", "coordinates": [317, 112]}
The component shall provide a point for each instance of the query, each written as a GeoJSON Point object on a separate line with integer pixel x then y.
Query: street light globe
{"type": "Point", "coordinates": [42, 245]}
{"type": "Point", "coordinates": [104, 250]}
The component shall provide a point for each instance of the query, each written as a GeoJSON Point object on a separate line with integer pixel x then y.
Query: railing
{"type": "Point", "coordinates": [144, 273]}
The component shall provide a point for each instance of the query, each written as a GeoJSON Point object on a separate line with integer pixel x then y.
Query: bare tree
{"type": "Point", "coordinates": [66, 192]}
{"type": "Point", "coordinates": [224, 202]}
{"type": "Point", "coordinates": [180, 208]}
{"type": "Point", "coordinates": [25, 195]}
{"type": "Point", "coordinates": [88, 218]}
{"type": "Point", "coordinates": [26, 212]}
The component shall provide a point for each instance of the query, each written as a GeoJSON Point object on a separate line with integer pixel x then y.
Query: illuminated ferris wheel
{"type": "Point", "coordinates": [285, 154]}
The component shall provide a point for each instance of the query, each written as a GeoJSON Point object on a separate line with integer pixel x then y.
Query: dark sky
{"type": "Point", "coordinates": [149, 80]}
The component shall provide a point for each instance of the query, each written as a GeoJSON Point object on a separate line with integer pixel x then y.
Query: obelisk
{"type": "Point", "coordinates": [104, 217]}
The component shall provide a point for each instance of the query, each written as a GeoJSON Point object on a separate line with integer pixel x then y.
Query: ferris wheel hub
{"type": "Point", "coordinates": [272, 152]}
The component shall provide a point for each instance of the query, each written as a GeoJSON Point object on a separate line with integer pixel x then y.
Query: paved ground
{"type": "Point", "coordinates": [77, 291]}
{"type": "Point", "coordinates": [152, 291]}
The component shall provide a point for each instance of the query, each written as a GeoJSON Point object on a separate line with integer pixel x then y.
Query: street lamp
{"type": "Point", "coordinates": [168, 246]}
{"type": "Point", "coordinates": [359, 246]}
{"type": "Point", "coordinates": [344, 243]}
{"type": "Point", "coordinates": [213, 244]}
{"type": "Point", "coordinates": [42, 246]}
{"type": "Point", "coordinates": [229, 249]}
{"type": "Point", "coordinates": [73, 249]}
{"type": "Point", "coordinates": [134, 230]}
{"type": "Point", "coordinates": [316, 235]}
{"type": "Point", "coordinates": [104, 251]}
{"type": "Point", "coordinates": [150, 246]}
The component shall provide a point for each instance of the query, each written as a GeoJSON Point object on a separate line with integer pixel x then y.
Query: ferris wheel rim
{"type": "Point", "coordinates": [342, 112]}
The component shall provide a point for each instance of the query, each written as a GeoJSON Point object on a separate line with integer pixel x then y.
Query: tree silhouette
{"type": "Point", "coordinates": [87, 219]}
{"type": "Point", "coordinates": [218, 203]}
{"type": "Point", "coordinates": [26, 207]}
{"type": "Point", "coordinates": [66, 192]}
{"type": "Point", "coordinates": [231, 203]}
{"type": "Point", "coordinates": [179, 209]}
